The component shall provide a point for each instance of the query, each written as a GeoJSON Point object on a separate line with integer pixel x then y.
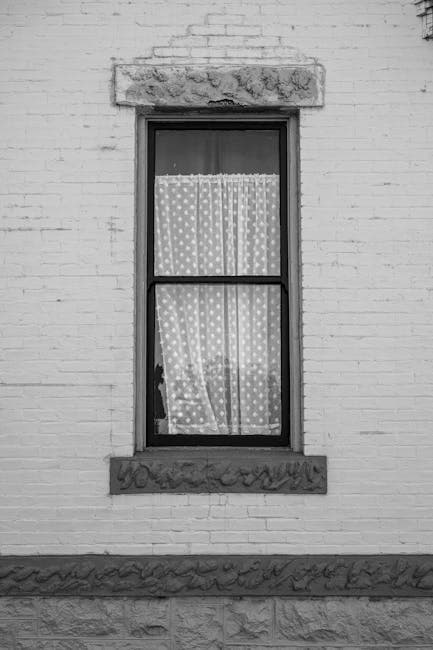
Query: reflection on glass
{"type": "Point", "coordinates": [217, 360]}
{"type": "Point", "coordinates": [217, 208]}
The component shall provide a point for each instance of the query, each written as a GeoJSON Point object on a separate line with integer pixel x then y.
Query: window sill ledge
{"type": "Point", "coordinates": [215, 469]}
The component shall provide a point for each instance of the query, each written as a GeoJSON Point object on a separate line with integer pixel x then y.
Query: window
{"type": "Point", "coordinates": [217, 324]}
{"type": "Point", "coordinates": [218, 399]}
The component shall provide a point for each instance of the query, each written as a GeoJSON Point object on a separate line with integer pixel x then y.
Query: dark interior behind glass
{"type": "Point", "coordinates": [216, 152]}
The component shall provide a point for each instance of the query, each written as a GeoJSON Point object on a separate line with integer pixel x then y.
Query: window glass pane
{"type": "Point", "coordinates": [204, 151]}
{"type": "Point", "coordinates": [217, 224]}
{"type": "Point", "coordinates": [217, 359]}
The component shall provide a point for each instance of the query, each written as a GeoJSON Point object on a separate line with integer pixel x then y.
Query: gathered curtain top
{"type": "Point", "coordinates": [211, 224]}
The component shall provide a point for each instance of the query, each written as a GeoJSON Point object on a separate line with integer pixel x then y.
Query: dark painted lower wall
{"type": "Point", "coordinates": [214, 623]}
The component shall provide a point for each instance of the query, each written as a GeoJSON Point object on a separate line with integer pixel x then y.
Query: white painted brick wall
{"type": "Point", "coordinates": [67, 231]}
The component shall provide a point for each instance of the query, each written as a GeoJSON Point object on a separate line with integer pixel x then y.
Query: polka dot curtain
{"type": "Point", "coordinates": [220, 344]}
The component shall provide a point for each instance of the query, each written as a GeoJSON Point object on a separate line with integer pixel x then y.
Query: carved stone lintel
{"type": "Point", "coordinates": [219, 87]}
{"type": "Point", "coordinates": [218, 470]}
{"type": "Point", "coordinates": [218, 575]}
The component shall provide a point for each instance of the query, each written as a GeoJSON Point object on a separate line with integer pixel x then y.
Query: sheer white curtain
{"type": "Point", "coordinates": [220, 344]}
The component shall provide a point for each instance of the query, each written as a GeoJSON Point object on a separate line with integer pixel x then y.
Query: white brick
{"type": "Point", "coordinates": [67, 285]}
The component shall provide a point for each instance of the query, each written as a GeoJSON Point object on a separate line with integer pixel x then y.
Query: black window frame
{"type": "Point", "coordinates": [154, 439]}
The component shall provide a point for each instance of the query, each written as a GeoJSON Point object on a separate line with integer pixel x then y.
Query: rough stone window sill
{"type": "Point", "coordinates": [216, 469]}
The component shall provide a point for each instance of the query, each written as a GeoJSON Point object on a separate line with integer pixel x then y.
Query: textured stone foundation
{"type": "Point", "coordinates": [214, 623]}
